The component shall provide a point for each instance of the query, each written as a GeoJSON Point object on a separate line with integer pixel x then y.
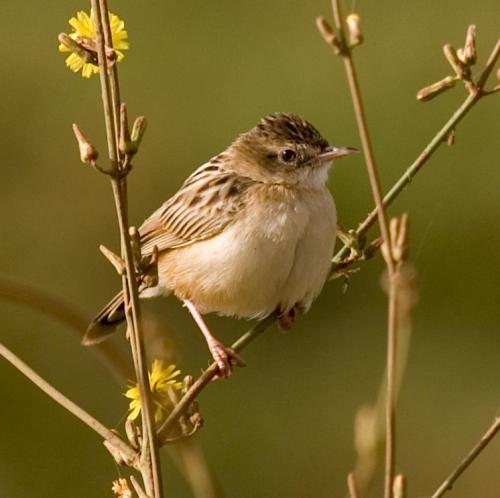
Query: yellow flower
{"type": "Point", "coordinates": [83, 33]}
{"type": "Point", "coordinates": [161, 379]}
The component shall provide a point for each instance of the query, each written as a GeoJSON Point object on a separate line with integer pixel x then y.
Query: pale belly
{"type": "Point", "coordinates": [275, 257]}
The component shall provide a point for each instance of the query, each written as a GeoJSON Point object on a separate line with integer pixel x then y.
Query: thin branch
{"type": "Point", "coordinates": [399, 486]}
{"type": "Point", "coordinates": [113, 80]}
{"type": "Point", "coordinates": [207, 376]}
{"type": "Point", "coordinates": [111, 104]}
{"type": "Point", "coordinates": [390, 396]}
{"type": "Point", "coordinates": [467, 461]}
{"type": "Point", "coordinates": [438, 139]}
{"type": "Point", "coordinates": [370, 419]}
{"type": "Point", "coordinates": [105, 86]}
{"type": "Point", "coordinates": [351, 486]}
{"type": "Point", "coordinates": [126, 452]}
{"type": "Point", "coordinates": [197, 472]}
{"type": "Point", "coordinates": [359, 112]}
{"type": "Point", "coordinates": [490, 64]}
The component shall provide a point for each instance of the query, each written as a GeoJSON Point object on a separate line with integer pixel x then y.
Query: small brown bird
{"type": "Point", "coordinates": [249, 233]}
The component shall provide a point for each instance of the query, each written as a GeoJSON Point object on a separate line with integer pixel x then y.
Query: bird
{"type": "Point", "coordinates": [249, 233]}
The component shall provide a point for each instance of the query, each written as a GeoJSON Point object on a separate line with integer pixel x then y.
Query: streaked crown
{"type": "Point", "coordinates": [288, 128]}
{"type": "Point", "coordinates": [282, 148]}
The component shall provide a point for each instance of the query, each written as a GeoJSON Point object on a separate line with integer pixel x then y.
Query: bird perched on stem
{"type": "Point", "coordinates": [249, 233]}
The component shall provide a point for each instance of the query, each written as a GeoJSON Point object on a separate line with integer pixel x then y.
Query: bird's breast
{"type": "Point", "coordinates": [276, 253]}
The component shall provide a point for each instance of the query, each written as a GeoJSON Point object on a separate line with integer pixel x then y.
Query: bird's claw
{"type": "Point", "coordinates": [226, 358]}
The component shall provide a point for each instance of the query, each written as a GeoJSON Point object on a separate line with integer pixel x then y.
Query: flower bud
{"type": "Point", "coordinates": [138, 129]}
{"type": "Point", "coordinates": [328, 35]}
{"type": "Point", "coordinates": [450, 138]}
{"type": "Point", "coordinates": [125, 144]}
{"type": "Point", "coordinates": [455, 62]}
{"type": "Point", "coordinates": [88, 153]}
{"type": "Point", "coordinates": [353, 29]}
{"type": "Point", "coordinates": [469, 52]}
{"type": "Point", "coordinates": [114, 259]}
{"type": "Point", "coordinates": [431, 91]}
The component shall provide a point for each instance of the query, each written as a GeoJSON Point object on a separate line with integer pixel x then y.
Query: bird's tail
{"type": "Point", "coordinates": [106, 322]}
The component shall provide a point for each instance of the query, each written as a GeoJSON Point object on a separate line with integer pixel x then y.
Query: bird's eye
{"type": "Point", "coordinates": [288, 155]}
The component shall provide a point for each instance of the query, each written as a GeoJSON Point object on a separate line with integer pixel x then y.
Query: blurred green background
{"type": "Point", "coordinates": [202, 72]}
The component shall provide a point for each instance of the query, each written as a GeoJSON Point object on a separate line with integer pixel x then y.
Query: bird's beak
{"type": "Point", "coordinates": [333, 152]}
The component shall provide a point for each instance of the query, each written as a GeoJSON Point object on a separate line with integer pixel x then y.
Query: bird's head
{"type": "Point", "coordinates": [285, 148]}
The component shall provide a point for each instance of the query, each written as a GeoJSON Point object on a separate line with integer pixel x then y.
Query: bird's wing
{"type": "Point", "coordinates": [207, 202]}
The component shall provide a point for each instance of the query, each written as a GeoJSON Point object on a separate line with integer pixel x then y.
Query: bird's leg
{"type": "Point", "coordinates": [225, 357]}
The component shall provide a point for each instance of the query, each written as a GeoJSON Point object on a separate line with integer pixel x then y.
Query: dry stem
{"type": "Point", "coordinates": [471, 456]}
{"type": "Point", "coordinates": [390, 396]}
{"type": "Point", "coordinates": [113, 440]}
{"type": "Point", "coordinates": [341, 47]}
{"type": "Point", "coordinates": [364, 134]}
{"type": "Point", "coordinates": [438, 139]}
{"type": "Point", "coordinates": [111, 104]}
{"type": "Point", "coordinates": [359, 112]}
{"type": "Point", "coordinates": [370, 419]}
{"type": "Point", "coordinates": [113, 358]}
{"type": "Point", "coordinates": [351, 486]}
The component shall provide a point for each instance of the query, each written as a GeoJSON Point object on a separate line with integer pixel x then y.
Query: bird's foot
{"type": "Point", "coordinates": [286, 319]}
{"type": "Point", "coordinates": [356, 243]}
{"type": "Point", "coordinates": [226, 358]}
